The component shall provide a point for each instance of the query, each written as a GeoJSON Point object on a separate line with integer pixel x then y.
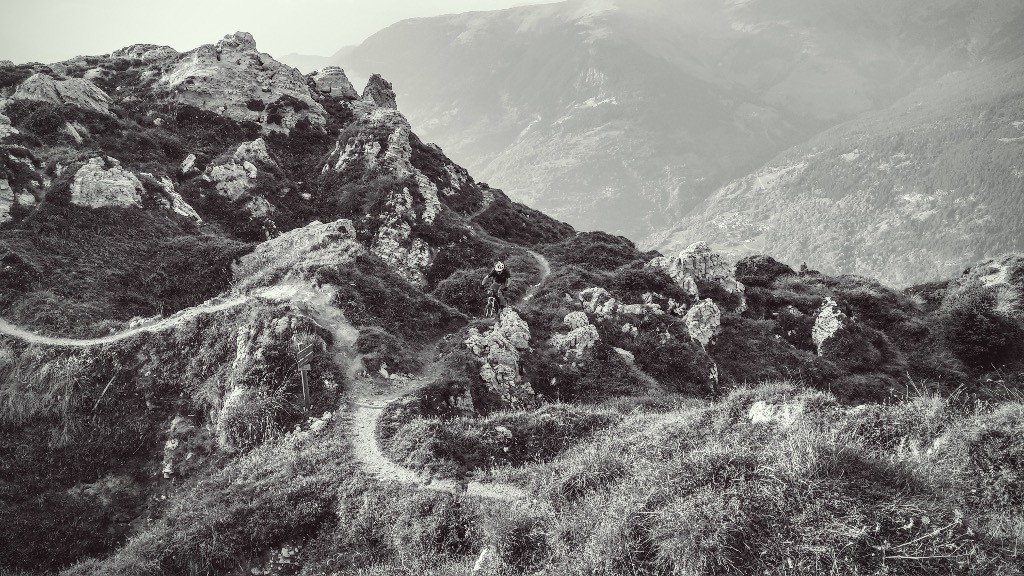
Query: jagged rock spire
{"type": "Point", "coordinates": [378, 91]}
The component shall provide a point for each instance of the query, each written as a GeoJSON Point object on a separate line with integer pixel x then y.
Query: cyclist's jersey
{"type": "Point", "coordinates": [498, 277]}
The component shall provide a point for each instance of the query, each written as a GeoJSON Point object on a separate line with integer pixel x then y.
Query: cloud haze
{"type": "Point", "coordinates": [54, 30]}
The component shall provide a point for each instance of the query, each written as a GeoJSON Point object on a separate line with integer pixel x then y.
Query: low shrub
{"type": "Point", "coordinates": [761, 270]}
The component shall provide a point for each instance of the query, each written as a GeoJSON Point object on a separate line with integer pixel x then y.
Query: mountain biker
{"type": "Point", "coordinates": [498, 278]}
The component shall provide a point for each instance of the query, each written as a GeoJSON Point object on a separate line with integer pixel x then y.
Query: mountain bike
{"type": "Point", "coordinates": [493, 307]}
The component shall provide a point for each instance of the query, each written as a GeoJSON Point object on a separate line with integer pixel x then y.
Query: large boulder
{"type": "Point", "coordinates": [333, 81]}
{"type": "Point", "coordinates": [71, 92]}
{"type": "Point", "coordinates": [5, 127]}
{"type": "Point", "coordinates": [581, 337]}
{"type": "Point", "coordinates": [829, 321]}
{"type": "Point", "coordinates": [704, 321]}
{"type": "Point", "coordinates": [229, 77]}
{"type": "Point", "coordinates": [103, 182]}
{"type": "Point", "coordinates": [500, 351]}
{"type": "Point", "coordinates": [699, 263]}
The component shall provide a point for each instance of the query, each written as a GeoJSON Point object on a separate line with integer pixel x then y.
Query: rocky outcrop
{"type": "Point", "coordinates": [581, 337]}
{"type": "Point", "coordinates": [379, 92]}
{"type": "Point", "coordinates": [174, 202]}
{"type": "Point", "coordinates": [237, 176]}
{"type": "Point", "coordinates": [829, 321]}
{"type": "Point", "coordinates": [500, 350]}
{"type": "Point", "coordinates": [103, 182]}
{"type": "Point", "coordinates": [8, 198]}
{"type": "Point", "coordinates": [699, 263]}
{"type": "Point", "coordinates": [188, 165]}
{"type": "Point", "coordinates": [228, 76]}
{"type": "Point", "coordinates": [412, 202]}
{"type": "Point", "coordinates": [299, 253]}
{"type": "Point", "coordinates": [704, 321]}
{"type": "Point", "coordinates": [604, 306]}
{"type": "Point", "coordinates": [255, 152]}
{"type": "Point", "coordinates": [332, 80]}
{"type": "Point", "coordinates": [71, 92]}
{"type": "Point", "coordinates": [5, 127]}
{"type": "Point", "coordinates": [148, 53]}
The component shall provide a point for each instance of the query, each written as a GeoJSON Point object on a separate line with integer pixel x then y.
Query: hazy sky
{"type": "Point", "coordinates": [54, 30]}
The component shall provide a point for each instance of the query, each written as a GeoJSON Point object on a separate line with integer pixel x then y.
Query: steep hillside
{"type": "Point", "coordinates": [622, 116]}
{"type": "Point", "coordinates": [913, 193]}
{"type": "Point", "coordinates": [179, 226]}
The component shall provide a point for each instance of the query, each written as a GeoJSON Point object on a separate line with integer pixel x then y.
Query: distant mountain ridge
{"type": "Point", "coordinates": [626, 116]}
{"type": "Point", "coordinates": [912, 193]}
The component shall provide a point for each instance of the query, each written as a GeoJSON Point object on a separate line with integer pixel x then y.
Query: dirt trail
{"type": "Point", "coordinates": [209, 307]}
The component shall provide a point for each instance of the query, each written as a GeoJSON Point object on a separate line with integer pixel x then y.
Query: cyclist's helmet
{"type": "Point", "coordinates": [499, 266]}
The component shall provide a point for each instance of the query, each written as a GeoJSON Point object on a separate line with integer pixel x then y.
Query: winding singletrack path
{"type": "Point", "coordinates": [211, 306]}
{"type": "Point", "coordinates": [370, 403]}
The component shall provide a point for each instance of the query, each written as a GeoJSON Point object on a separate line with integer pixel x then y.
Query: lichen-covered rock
{"type": "Point", "coordinates": [379, 92]}
{"type": "Point", "coordinates": [71, 91]}
{"type": "Point", "coordinates": [699, 263]}
{"type": "Point", "coordinates": [225, 77]}
{"type": "Point", "coordinates": [103, 182]}
{"type": "Point", "coordinates": [581, 337]}
{"type": "Point", "coordinates": [188, 165]}
{"type": "Point", "coordinates": [332, 80]}
{"type": "Point", "coordinates": [500, 350]}
{"type": "Point", "coordinates": [254, 152]}
{"type": "Point", "coordinates": [174, 202]}
{"type": "Point", "coordinates": [237, 176]}
{"type": "Point", "coordinates": [6, 129]}
{"type": "Point", "coordinates": [704, 321]}
{"type": "Point", "coordinates": [829, 321]}
{"type": "Point", "coordinates": [148, 53]}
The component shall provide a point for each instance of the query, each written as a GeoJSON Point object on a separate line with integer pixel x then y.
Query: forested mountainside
{"type": "Point", "coordinates": [177, 225]}
{"type": "Point", "coordinates": [624, 116]}
{"type": "Point", "coordinates": [913, 193]}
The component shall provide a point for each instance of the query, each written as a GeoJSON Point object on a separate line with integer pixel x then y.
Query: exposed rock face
{"type": "Point", "coordinates": [255, 152]}
{"type": "Point", "coordinates": [299, 252]}
{"type": "Point", "coordinates": [102, 182]}
{"type": "Point", "coordinates": [599, 302]}
{"type": "Point", "coordinates": [72, 91]}
{"type": "Point", "coordinates": [415, 201]}
{"type": "Point", "coordinates": [581, 337]}
{"type": "Point", "coordinates": [704, 321]}
{"type": "Point", "coordinates": [829, 321]}
{"type": "Point", "coordinates": [699, 262]}
{"type": "Point", "coordinates": [225, 76]}
{"type": "Point", "coordinates": [379, 92]}
{"type": "Point", "coordinates": [500, 350]}
{"type": "Point", "coordinates": [146, 52]}
{"type": "Point", "coordinates": [238, 175]}
{"type": "Point", "coordinates": [176, 203]}
{"type": "Point", "coordinates": [332, 80]}
{"type": "Point", "coordinates": [5, 127]}
{"type": "Point", "coordinates": [188, 165]}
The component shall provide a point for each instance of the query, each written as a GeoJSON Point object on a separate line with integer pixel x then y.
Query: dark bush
{"type": "Point", "coordinates": [594, 251]}
{"type": "Point", "coordinates": [519, 224]}
{"type": "Point", "coordinates": [974, 330]}
{"type": "Point", "coordinates": [256, 105]}
{"type": "Point", "coordinates": [761, 270]}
